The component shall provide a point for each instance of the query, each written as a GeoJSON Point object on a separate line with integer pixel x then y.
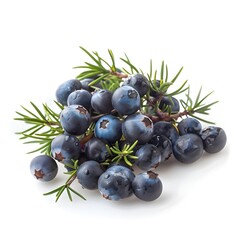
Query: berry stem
{"type": "Point", "coordinates": [71, 178]}
{"type": "Point", "coordinates": [164, 116]}
{"type": "Point", "coordinates": [66, 186]}
{"type": "Point", "coordinates": [119, 74]}
{"type": "Point", "coordinates": [48, 123]}
{"type": "Point", "coordinates": [156, 101]}
{"type": "Point", "coordinates": [86, 138]}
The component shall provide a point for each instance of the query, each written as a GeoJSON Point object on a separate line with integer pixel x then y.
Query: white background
{"type": "Point", "coordinates": [39, 43]}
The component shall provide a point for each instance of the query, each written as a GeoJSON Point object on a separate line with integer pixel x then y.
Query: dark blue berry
{"type": "Point", "coordinates": [65, 89]}
{"type": "Point", "coordinates": [153, 92]}
{"type": "Point", "coordinates": [169, 102]}
{"type": "Point", "coordinates": [75, 119]}
{"type": "Point", "coordinates": [65, 148]}
{"type": "Point", "coordinates": [69, 164]}
{"type": "Point", "coordinates": [147, 186]}
{"type": "Point", "coordinates": [116, 183]}
{"type": "Point", "coordinates": [138, 82]}
{"type": "Point", "coordinates": [126, 100]}
{"type": "Point", "coordinates": [137, 127]}
{"type": "Point", "coordinates": [163, 144]}
{"type": "Point", "coordinates": [166, 129]}
{"type": "Point", "coordinates": [80, 97]}
{"type": "Point", "coordinates": [96, 150]}
{"type": "Point", "coordinates": [108, 128]}
{"type": "Point", "coordinates": [214, 139]}
{"type": "Point", "coordinates": [86, 81]}
{"type": "Point", "coordinates": [88, 174]}
{"type": "Point", "coordinates": [189, 125]}
{"type": "Point", "coordinates": [44, 168]}
{"type": "Point", "coordinates": [102, 101]}
{"type": "Point", "coordinates": [188, 148]}
{"type": "Point", "coordinates": [149, 156]}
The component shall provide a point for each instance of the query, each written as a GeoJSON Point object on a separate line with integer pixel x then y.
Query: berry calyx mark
{"type": "Point", "coordinates": [147, 122]}
{"type": "Point", "coordinates": [132, 93]}
{"type": "Point", "coordinates": [104, 124]}
{"type": "Point", "coordinates": [106, 197]}
{"type": "Point", "coordinates": [59, 157]}
{"type": "Point", "coordinates": [81, 109]}
{"type": "Point", "coordinates": [38, 174]}
{"type": "Point", "coordinates": [152, 174]}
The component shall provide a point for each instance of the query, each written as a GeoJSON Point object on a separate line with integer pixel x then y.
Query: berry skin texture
{"type": "Point", "coordinates": [147, 186]}
{"type": "Point", "coordinates": [164, 145]}
{"type": "Point", "coordinates": [188, 148]}
{"type": "Point", "coordinates": [166, 129]}
{"type": "Point", "coordinates": [214, 139]}
{"type": "Point", "coordinates": [88, 174]}
{"type": "Point", "coordinates": [169, 102]}
{"type": "Point", "coordinates": [75, 119]}
{"type": "Point", "coordinates": [154, 93]}
{"type": "Point", "coordinates": [108, 128]}
{"type": "Point", "coordinates": [87, 81]}
{"type": "Point", "coordinates": [149, 156]}
{"type": "Point", "coordinates": [189, 125]}
{"type": "Point", "coordinates": [80, 97]}
{"type": "Point", "coordinates": [116, 183]}
{"type": "Point", "coordinates": [126, 100]}
{"type": "Point", "coordinates": [137, 127]}
{"type": "Point", "coordinates": [138, 82]}
{"type": "Point", "coordinates": [102, 101]}
{"type": "Point", "coordinates": [44, 168]}
{"type": "Point", "coordinates": [96, 150]}
{"type": "Point", "coordinates": [65, 148]}
{"type": "Point", "coordinates": [65, 89]}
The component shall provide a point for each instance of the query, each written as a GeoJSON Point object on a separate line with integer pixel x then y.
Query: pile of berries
{"type": "Point", "coordinates": [106, 137]}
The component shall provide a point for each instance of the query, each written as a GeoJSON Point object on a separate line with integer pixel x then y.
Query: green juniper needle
{"type": "Point", "coordinates": [45, 125]}
{"type": "Point", "coordinates": [72, 176]}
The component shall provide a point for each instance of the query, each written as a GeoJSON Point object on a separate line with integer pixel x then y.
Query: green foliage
{"type": "Point", "coordinates": [125, 153]}
{"type": "Point", "coordinates": [103, 72]}
{"type": "Point", "coordinates": [198, 106]}
{"type": "Point", "coordinates": [66, 187]}
{"type": "Point", "coordinates": [44, 126]}
{"type": "Point", "coordinates": [164, 83]}
{"type": "Point", "coordinates": [133, 69]}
